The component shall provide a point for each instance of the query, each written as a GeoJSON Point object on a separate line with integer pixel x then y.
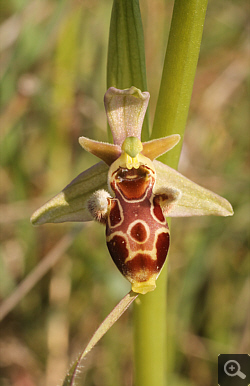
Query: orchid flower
{"type": "Point", "coordinates": [131, 192]}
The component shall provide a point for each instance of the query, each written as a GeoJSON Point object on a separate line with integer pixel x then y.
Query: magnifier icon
{"type": "Point", "coordinates": [232, 368]}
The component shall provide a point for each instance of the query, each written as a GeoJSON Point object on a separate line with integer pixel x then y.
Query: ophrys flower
{"type": "Point", "coordinates": [131, 193]}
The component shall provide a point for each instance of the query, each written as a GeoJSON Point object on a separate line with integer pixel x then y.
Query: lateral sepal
{"type": "Point", "coordinates": [71, 203]}
{"type": "Point", "coordinates": [194, 200]}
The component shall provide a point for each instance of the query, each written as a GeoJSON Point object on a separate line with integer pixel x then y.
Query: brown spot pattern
{"type": "Point", "coordinates": [157, 210]}
{"type": "Point", "coordinates": [141, 267]}
{"type": "Point", "coordinates": [133, 183]}
{"type": "Point", "coordinates": [118, 250]}
{"type": "Point", "coordinates": [162, 246]}
{"type": "Point", "coordinates": [138, 232]}
{"type": "Point", "coordinates": [115, 214]}
{"type": "Point", "coordinates": [134, 189]}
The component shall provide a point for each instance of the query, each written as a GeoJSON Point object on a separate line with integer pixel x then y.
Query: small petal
{"type": "Point", "coordinates": [105, 151]}
{"type": "Point", "coordinates": [71, 203]}
{"type": "Point", "coordinates": [156, 147]}
{"type": "Point", "coordinates": [194, 199]}
{"type": "Point", "coordinates": [125, 111]}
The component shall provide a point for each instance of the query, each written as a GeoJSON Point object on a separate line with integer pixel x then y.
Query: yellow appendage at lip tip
{"type": "Point", "coordinates": [144, 286]}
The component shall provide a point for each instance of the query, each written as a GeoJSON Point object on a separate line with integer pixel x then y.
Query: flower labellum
{"type": "Point", "coordinates": [132, 193]}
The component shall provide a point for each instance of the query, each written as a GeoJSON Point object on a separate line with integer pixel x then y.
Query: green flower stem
{"type": "Point", "coordinates": [150, 319]}
{"type": "Point", "coordinates": [150, 348]}
{"type": "Point", "coordinates": [126, 67]}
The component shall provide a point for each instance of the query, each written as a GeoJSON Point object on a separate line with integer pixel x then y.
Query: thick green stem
{"type": "Point", "coordinates": [179, 72]}
{"type": "Point", "coordinates": [150, 321]}
{"type": "Point", "coordinates": [150, 347]}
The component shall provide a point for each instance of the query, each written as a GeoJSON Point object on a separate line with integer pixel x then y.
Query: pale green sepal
{"type": "Point", "coordinates": [70, 204]}
{"type": "Point", "coordinates": [125, 111]}
{"type": "Point", "coordinates": [194, 200]}
{"type": "Point", "coordinates": [105, 151]}
{"type": "Point", "coordinates": [153, 149]}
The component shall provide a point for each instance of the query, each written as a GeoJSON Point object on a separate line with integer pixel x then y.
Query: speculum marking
{"type": "Point", "coordinates": [139, 231]}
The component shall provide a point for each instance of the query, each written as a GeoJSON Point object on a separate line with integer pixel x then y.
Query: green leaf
{"type": "Point", "coordinates": [126, 55]}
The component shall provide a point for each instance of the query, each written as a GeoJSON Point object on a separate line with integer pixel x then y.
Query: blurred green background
{"type": "Point", "coordinates": [53, 79]}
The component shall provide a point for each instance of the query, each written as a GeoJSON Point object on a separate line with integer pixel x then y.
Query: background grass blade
{"type": "Point", "coordinates": [114, 315]}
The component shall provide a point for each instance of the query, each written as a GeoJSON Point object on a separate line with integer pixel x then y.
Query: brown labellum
{"type": "Point", "coordinates": [138, 243]}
